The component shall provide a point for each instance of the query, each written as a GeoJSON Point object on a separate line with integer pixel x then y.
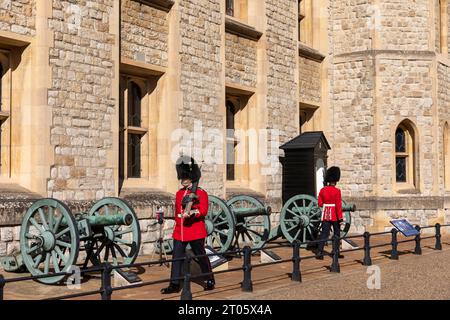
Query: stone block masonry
{"type": "Point", "coordinates": [18, 16]}
{"type": "Point", "coordinates": [80, 97]}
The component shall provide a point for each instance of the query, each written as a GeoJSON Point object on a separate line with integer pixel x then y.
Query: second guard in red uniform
{"type": "Point", "coordinates": [330, 201]}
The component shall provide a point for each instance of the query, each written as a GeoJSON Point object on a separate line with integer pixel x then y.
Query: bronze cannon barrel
{"type": "Point", "coordinates": [250, 212]}
{"type": "Point", "coordinates": [118, 219]}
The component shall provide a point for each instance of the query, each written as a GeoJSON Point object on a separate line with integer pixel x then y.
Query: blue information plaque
{"type": "Point", "coordinates": [405, 227]}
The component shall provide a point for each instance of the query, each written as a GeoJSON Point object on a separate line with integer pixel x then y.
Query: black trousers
{"type": "Point", "coordinates": [325, 232]}
{"type": "Point", "coordinates": [179, 251]}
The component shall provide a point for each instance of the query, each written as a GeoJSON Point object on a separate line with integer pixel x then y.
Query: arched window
{"type": "Point", "coordinates": [446, 156]}
{"type": "Point", "coordinates": [404, 154]}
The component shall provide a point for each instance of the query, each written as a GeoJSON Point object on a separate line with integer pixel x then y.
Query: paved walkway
{"type": "Point", "coordinates": [411, 277]}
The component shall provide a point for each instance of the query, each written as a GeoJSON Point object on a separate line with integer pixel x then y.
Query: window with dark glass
{"type": "Point", "coordinates": [230, 7]}
{"type": "Point", "coordinates": [231, 143]}
{"type": "Point", "coordinates": [131, 132]}
{"type": "Point", "coordinates": [134, 105]}
{"type": "Point", "coordinates": [401, 155]}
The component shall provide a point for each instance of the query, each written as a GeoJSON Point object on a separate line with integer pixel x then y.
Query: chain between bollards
{"type": "Point", "coordinates": [186, 294]}
{"type": "Point", "coordinates": [438, 245]}
{"type": "Point", "coordinates": [418, 249]}
{"type": "Point", "coordinates": [2, 286]}
{"type": "Point", "coordinates": [335, 264]}
{"type": "Point", "coordinates": [296, 274]}
{"type": "Point", "coordinates": [367, 260]}
{"type": "Point", "coordinates": [394, 243]}
{"type": "Point", "coordinates": [106, 282]}
{"type": "Point", "coordinates": [247, 285]}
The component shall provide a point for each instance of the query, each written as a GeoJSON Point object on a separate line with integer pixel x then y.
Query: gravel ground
{"type": "Point", "coordinates": [424, 277]}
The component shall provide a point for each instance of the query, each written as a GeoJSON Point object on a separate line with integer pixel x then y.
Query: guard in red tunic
{"type": "Point", "coordinates": [191, 208]}
{"type": "Point", "coordinates": [330, 201]}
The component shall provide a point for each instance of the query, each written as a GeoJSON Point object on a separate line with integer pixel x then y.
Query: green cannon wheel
{"type": "Point", "coordinates": [250, 229]}
{"type": "Point", "coordinates": [220, 225]}
{"type": "Point", "coordinates": [347, 217]}
{"type": "Point", "coordinates": [49, 240]}
{"type": "Point", "coordinates": [118, 244]}
{"type": "Point", "coordinates": [300, 218]}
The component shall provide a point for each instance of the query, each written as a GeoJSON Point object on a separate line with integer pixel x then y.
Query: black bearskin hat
{"type": "Point", "coordinates": [333, 175]}
{"type": "Point", "coordinates": [187, 168]}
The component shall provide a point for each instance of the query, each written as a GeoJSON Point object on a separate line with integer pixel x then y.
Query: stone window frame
{"type": "Point", "coordinates": [5, 113]}
{"type": "Point", "coordinates": [411, 154]}
{"type": "Point", "coordinates": [125, 129]}
{"type": "Point", "coordinates": [446, 155]}
{"type": "Point", "coordinates": [305, 22]}
{"type": "Point", "coordinates": [311, 114]}
{"type": "Point", "coordinates": [442, 15]}
{"type": "Point", "coordinates": [237, 9]}
{"type": "Point", "coordinates": [242, 102]}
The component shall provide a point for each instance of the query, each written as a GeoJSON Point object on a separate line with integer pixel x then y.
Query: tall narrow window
{"type": "Point", "coordinates": [230, 7]}
{"type": "Point", "coordinates": [404, 154]}
{"type": "Point", "coordinates": [231, 142]}
{"type": "Point", "coordinates": [132, 128]}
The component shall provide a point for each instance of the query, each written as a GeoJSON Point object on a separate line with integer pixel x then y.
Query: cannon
{"type": "Point", "coordinates": [300, 219]}
{"type": "Point", "coordinates": [51, 237]}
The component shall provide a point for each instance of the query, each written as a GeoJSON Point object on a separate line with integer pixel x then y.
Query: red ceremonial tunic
{"type": "Point", "coordinates": [192, 228]}
{"type": "Point", "coordinates": [331, 201]}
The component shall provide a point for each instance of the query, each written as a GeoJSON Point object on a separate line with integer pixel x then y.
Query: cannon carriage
{"type": "Point", "coordinates": [51, 237]}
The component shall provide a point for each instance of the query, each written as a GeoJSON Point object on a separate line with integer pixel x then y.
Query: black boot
{"type": "Point", "coordinates": [172, 288]}
{"type": "Point", "coordinates": [319, 255]}
{"type": "Point", "coordinates": [210, 285]}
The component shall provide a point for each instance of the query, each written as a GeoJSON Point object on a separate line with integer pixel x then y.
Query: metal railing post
{"type": "Point", "coordinates": [186, 294]}
{"type": "Point", "coordinates": [394, 242]}
{"type": "Point", "coordinates": [335, 264]}
{"type": "Point", "coordinates": [2, 286]}
{"type": "Point", "coordinates": [106, 282]}
{"type": "Point", "coordinates": [247, 285]}
{"type": "Point", "coordinates": [296, 274]}
{"type": "Point", "coordinates": [418, 249]}
{"type": "Point", "coordinates": [438, 245]}
{"type": "Point", "coordinates": [367, 260]}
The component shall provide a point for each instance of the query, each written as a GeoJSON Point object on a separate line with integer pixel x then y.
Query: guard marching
{"type": "Point", "coordinates": [330, 201]}
{"type": "Point", "coordinates": [191, 208]}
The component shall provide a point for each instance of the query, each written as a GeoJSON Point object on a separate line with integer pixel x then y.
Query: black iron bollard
{"type": "Point", "coordinates": [394, 252]}
{"type": "Point", "coordinates": [367, 260]}
{"type": "Point", "coordinates": [186, 294]}
{"type": "Point", "coordinates": [418, 249]}
{"type": "Point", "coordinates": [247, 285]}
{"type": "Point", "coordinates": [2, 286]}
{"type": "Point", "coordinates": [296, 274]}
{"type": "Point", "coordinates": [106, 281]}
{"type": "Point", "coordinates": [438, 245]}
{"type": "Point", "coordinates": [335, 264]}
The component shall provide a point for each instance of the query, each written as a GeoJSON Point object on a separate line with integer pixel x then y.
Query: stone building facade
{"type": "Point", "coordinates": [363, 72]}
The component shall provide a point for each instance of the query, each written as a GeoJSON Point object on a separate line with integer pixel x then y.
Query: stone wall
{"type": "Point", "coordinates": [404, 26]}
{"type": "Point", "coordinates": [282, 84]}
{"type": "Point", "coordinates": [144, 33]}
{"type": "Point", "coordinates": [353, 112]}
{"type": "Point", "coordinates": [310, 80]}
{"type": "Point", "coordinates": [412, 99]}
{"type": "Point", "coordinates": [18, 16]}
{"type": "Point", "coordinates": [201, 85]}
{"type": "Point", "coordinates": [80, 98]}
{"type": "Point", "coordinates": [241, 61]}
{"type": "Point", "coordinates": [350, 26]}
